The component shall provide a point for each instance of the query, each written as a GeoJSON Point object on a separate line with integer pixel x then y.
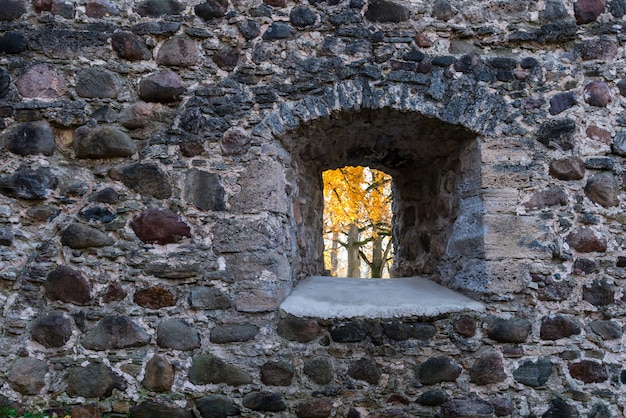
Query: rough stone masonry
{"type": "Point", "coordinates": [161, 196]}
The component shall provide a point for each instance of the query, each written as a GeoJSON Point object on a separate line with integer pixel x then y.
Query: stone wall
{"type": "Point", "coordinates": [160, 197]}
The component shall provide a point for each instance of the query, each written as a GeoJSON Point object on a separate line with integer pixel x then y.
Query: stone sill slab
{"type": "Point", "coordinates": [332, 297]}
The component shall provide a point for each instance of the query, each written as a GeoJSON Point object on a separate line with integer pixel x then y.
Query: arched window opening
{"type": "Point", "coordinates": [357, 222]}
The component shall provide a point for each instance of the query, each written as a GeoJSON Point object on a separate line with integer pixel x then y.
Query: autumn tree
{"type": "Point", "coordinates": [357, 217]}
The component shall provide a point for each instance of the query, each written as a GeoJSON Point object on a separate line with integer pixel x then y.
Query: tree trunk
{"type": "Point", "coordinates": [354, 269]}
{"type": "Point", "coordinates": [378, 263]}
{"type": "Point", "coordinates": [334, 254]}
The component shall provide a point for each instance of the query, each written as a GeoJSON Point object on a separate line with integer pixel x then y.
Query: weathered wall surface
{"type": "Point", "coordinates": [156, 204]}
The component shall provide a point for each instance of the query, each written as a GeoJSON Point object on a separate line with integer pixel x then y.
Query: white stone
{"type": "Point", "coordinates": [332, 297]}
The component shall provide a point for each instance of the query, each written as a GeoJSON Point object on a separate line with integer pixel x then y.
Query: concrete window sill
{"type": "Point", "coordinates": [332, 297]}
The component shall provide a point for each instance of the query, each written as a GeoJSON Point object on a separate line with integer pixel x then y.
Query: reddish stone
{"type": "Point", "coordinates": [164, 86]}
{"type": "Point", "coordinates": [621, 261]}
{"type": "Point", "coordinates": [41, 81]}
{"type": "Point", "coordinates": [276, 3]}
{"type": "Point", "coordinates": [317, 408]}
{"type": "Point", "coordinates": [159, 226]}
{"type": "Point", "coordinates": [588, 371]}
{"type": "Point", "coordinates": [159, 375]}
{"type": "Point", "coordinates": [547, 197]}
{"type": "Point", "coordinates": [598, 134]}
{"type": "Point", "coordinates": [114, 292]}
{"type": "Point", "coordinates": [155, 297]}
{"type": "Point", "coordinates": [488, 369]}
{"type": "Point", "coordinates": [593, 49]}
{"type": "Point", "coordinates": [179, 51]}
{"type": "Point", "coordinates": [602, 188]}
{"type": "Point", "coordinates": [136, 116]}
{"type": "Point", "coordinates": [68, 285]}
{"type": "Point", "coordinates": [584, 240]}
{"type": "Point", "coordinates": [557, 327]}
{"type": "Point", "coordinates": [398, 399]}
{"type": "Point", "coordinates": [598, 93]}
{"type": "Point", "coordinates": [568, 169]}
{"type": "Point", "coordinates": [587, 11]}
{"type": "Point", "coordinates": [422, 41]}
{"type": "Point", "coordinates": [42, 5]}
{"type": "Point", "coordinates": [84, 411]}
{"type": "Point", "coordinates": [130, 46]}
{"type": "Point", "coordinates": [599, 293]}
{"type": "Point", "coordinates": [235, 141]}
{"type": "Point", "coordinates": [302, 330]}
{"type": "Point", "coordinates": [465, 326]}
{"type": "Point", "coordinates": [226, 59]}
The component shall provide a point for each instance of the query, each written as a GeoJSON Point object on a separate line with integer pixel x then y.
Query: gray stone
{"type": "Point", "coordinates": [68, 285]}
{"type": "Point", "coordinates": [319, 370]}
{"type": "Point", "coordinates": [154, 409]}
{"type": "Point", "coordinates": [466, 408]}
{"type": "Point", "coordinates": [488, 369]}
{"type": "Point", "coordinates": [561, 102]}
{"type": "Point", "coordinates": [433, 397]}
{"type": "Point", "coordinates": [442, 10]}
{"type": "Point", "coordinates": [163, 86]}
{"type": "Point", "coordinates": [28, 184]}
{"type": "Point", "coordinates": [27, 375]}
{"type": "Point", "coordinates": [159, 226]}
{"type": "Point", "coordinates": [103, 142]}
{"type": "Point", "coordinates": [560, 409]}
{"type": "Point", "coordinates": [96, 82]}
{"type": "Point", "coordinates": [106, 195]}
{"type": "Point", "coordinates": [207, 368]}
{"type": "Point", "coordinates": [557, 327]}
{"type": "Point", "coordinates": [79, 236]}
{"type": "Point", "coordinates": [113, 332]}
{"type": "Point", "coordinates": [513, 330]}
{"type": "Point", "coordinates": [585, 266]}
{"type": "Point", "coordinates": [618, 146]}
{"type": "Point", "coordinates": [607, 329]}
{"type": "Point", "coordinates": [41, 81]}
{"type": "Point", "coordinates": [302, 16]}
{"type": "Point", "coordinates": [5, 82]}
{"type": "Point", "coordinates": [617, 8]}
{"type": "Point", "coordinates": [159, 375]}
{"type": "Point", "coordinates": [130, 46]}
{"type": "Point", "coordinates": [278, 30]}
{"type": "Point", "coordinates": [158, 8]}
{"type": "Point", "coordinates": [249, 28]}
{"type": "Point", "coordinates": [438, 369]}
{"type": "Point", "coordinates": [600, 163]}
{"type": "Point", "coordinates": [93, 381]}
{"type": "Point", "coordinates": [217, 406]}
{"type": "Point", "coordinates": [179, 51]}
{"type": "Point", "coordinates": [348, 332]}
{"type": "Point", "coordinates": [13, 43]}
{"type": "Point", "coordinates": [30, 138]}
{"type": "Point", "coordinates": [52, 329]}
{"type": "Point", "coordinates": [146, 179]}
{"type": "Point", "coordinates": [6, 237]}
{"type": "Point", "coordinates": [177, 334]}
{"type": "Point", "coordinates": [401, 331]}
{"type": "Point", "coordinates": [600, 410]}
{"type": "Point", "coordinates": [602, 188]}
{"type": "Point", "coordinates": [231, 333]}
{"type": "Point", "coordinates": [386, 11]}
{"type": "Point", "coordinates": [11, 9]}
{"type": "Point", "coordinates": [255, 296]}
{"type": "Point", "coordinates": [63, 8]}
{"type": "Point", "coordinates": [557, 133]}
{"type": "Point", "coordinates": [205, 190]}
{"type": "Point", "coordinates": [277, 373]}
{"type": "Point", "coordinates": [210, 298]}
{"type": "Point", "coordinates": [264, 401]}
{"type": "Point", "coordinates": [533, 373]}
{"type": "Point", "coordinates": [212, 9]}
